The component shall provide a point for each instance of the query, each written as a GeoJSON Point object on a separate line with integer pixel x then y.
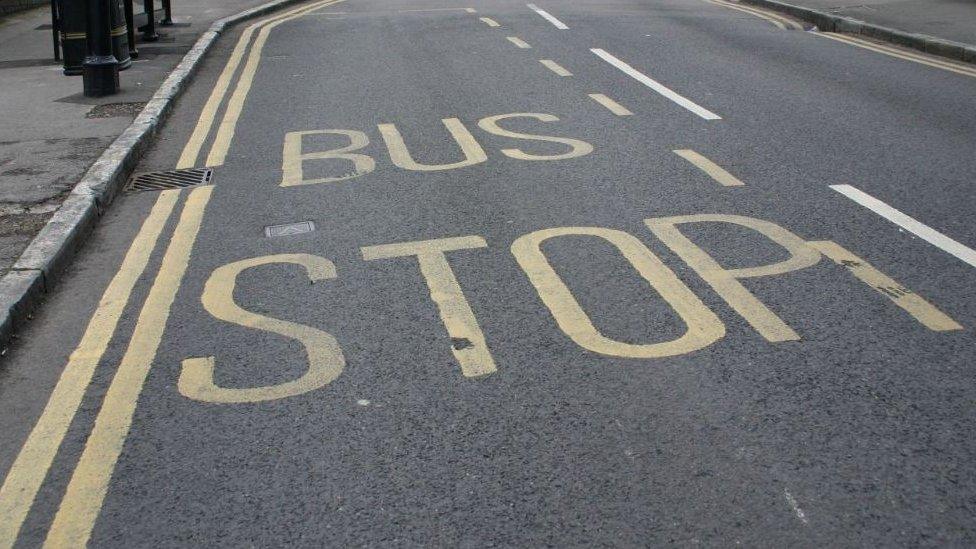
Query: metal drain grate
{"type": "Point", "coordinates": [175, 179]}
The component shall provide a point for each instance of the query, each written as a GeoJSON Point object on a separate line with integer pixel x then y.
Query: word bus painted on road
{"type": "Point", "coordinates": [294, 155]}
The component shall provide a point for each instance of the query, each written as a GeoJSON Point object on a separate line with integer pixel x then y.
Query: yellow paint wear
{"type": "Point", "coordinates": [920, 309]}
{"type": "Point", "coordinates": [293, 157]}
{"type": "Point", "coordinates": [468, 341]}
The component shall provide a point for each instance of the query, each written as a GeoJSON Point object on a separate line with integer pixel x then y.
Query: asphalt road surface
{"type": "Point", "coordinates": [587, 273]}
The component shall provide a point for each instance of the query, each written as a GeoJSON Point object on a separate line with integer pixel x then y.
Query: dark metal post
{"type": "Point", "coordinates": [168, 10]}
{"type": "Point", "coordinates": [130, 25]}
{"type": "Point", "coordinates": [119, 32]}
{"type": "Point", "coordinates": [56, 29]}
{"type": "Point", "coordinates": [149, 31]}
{"type": "Point", "coordinates": [100, 71]}
{"type": "Point", "coordinates": [73, 26]}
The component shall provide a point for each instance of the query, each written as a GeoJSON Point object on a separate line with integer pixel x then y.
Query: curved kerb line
{"type": "Point", "coordinates": [775, 19]}
{"type": "Point", "coordinates": [900, 54]}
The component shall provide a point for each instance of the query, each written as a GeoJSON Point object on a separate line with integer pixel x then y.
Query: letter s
{"type": "Point", "coordinates": [577, 147]}
{"type": "Point", "coordinates": [325, 359]}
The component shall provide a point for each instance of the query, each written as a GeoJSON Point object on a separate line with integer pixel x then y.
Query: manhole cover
{"type": "Point", "coordinates": [289, 229]}
{"type": "Point", "coordinates": [175, 179]}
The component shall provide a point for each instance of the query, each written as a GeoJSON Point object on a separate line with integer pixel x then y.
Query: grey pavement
{"type": "Point", "coordinates": [50, 133]}
{"type": "Point", "coordinates": [949, 19]}
{"type": "Point", "coordinates": [664, 417]}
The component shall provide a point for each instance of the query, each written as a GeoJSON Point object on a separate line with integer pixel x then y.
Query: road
{"type": "Point", "coordinates": [588, 273]}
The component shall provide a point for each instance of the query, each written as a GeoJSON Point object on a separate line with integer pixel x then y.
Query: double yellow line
{"type": "Point", "coordinates": [785, 23]}
{"type": "Point", "coordinates": [901, 53]}
{"type": "Point", "coordinates": [225, 131]}
{"type": "Point", "coordinates": [778, 20]}
{"type": "Point", "coordinates": [89, 482]}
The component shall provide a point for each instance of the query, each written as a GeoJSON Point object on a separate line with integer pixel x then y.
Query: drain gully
{"type": "Point", "coordinates": [174, 179]}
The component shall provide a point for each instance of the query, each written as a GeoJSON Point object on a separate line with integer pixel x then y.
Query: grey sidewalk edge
{"type": "Point", "coordinates": [43, 261]}
{"type": "Point", "coordinates": [836, 23]}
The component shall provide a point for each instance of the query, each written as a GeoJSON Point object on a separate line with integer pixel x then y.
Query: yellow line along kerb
{"type": "Point", "coordinates": [776, 19]}
{"type": "Point", "coordinates": [86, 491]}
{"type": "Point", "coordinates": [899, 53]}
{"type": "Point", "coordinates": [205, 123]}
{"type": "Point", "coordinates": [225, 133]}
{"type": "Point", "coordinates": [31, 467]}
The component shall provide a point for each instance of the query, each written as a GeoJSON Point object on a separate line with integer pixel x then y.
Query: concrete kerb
{"type": "Point", "coordinates": [830, 22]}
{"type": "Point", "coordinates": [43, 261]}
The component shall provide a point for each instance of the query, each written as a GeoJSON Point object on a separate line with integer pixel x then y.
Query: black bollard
{"type": "Point", "coordinates": [55, 29]}
{"type": "Point", "coordinates": [119, 32]}
{"type": "Point", "coordinates": [73, 25]}
{"type": "Point", "coordinates": [168, 13]}
{"type": "Point", "coordinates": [130, 28]}
{"type": "Point", "coordinates": [100, 71]}
{"type": "Point", "coordinates": [149, 31]}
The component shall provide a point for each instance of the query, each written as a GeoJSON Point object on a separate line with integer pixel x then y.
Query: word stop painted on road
{"type": "Point", "coordinates": [467, 341]}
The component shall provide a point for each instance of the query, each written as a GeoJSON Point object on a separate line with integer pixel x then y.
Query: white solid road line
{"type": "Point", "coordinates": [548, 17]}
{"type": "Point", "coordinates": [908, 223]}
{"type": "Point", "coordinates": [656, 86]}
